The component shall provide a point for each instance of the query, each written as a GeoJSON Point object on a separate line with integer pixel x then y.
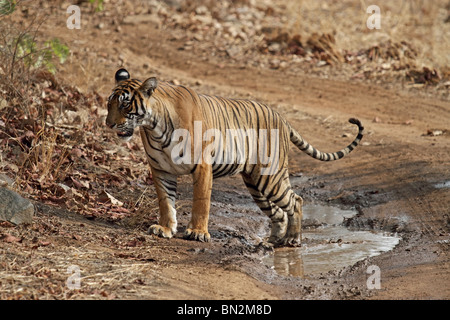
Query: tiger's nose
{"type": "Point", "coordinates": [110, 124]}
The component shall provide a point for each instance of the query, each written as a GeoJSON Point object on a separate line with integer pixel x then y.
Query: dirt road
{"type": "Point", "coordinates": [397, 180]}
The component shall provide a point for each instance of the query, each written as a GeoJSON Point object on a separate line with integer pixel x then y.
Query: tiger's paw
{"type": "Point", "coordinates": [265, 246]}
{"type": "Point", "coordinates": [196, 234]}
{"type": "Point", "coordinates": [286, 241]}
{"type": "Point", "coordinates": [291, 242]}
{"type": "Point", "coordinates": [160, 231]}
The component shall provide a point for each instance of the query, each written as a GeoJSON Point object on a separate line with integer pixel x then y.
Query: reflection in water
{"type": "Point", "coordinates": [287, 262]}
{"type": "Point", "coordinates": [329, 247]}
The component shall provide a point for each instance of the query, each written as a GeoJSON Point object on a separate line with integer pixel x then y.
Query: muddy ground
{"type": "Point", "coordinates": [397, 180]}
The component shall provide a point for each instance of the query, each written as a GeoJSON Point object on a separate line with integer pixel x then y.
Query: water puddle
{"type": "Point", "coordinates": [329, 246]}
{"type": "Point", "coordinates": [442, 185]}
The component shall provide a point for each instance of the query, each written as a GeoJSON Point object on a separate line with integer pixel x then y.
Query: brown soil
{"type": "Point", "coordinates": [391, 180]}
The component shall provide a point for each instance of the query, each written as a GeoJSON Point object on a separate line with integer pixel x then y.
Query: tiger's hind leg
{"type": "Point", "coordinates": [277, 216]}
{"type": "Point", "coordinates": [284, 208]}
{"type": "Point", "coordinates": [291, 203]}
{"type": "Point", "coordinates": [294, 213]}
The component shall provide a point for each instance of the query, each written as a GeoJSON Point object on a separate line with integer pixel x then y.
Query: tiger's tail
{"type": "Point", "coordinates": [304, 146]}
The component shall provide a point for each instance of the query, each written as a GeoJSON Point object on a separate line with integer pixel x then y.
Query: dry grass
{"type": "Point", "coordinates": [112, 262]}
{"type": "Point", "coordinates": [45, 158]}
{"type": "Point", "coordinates": [419, 22]}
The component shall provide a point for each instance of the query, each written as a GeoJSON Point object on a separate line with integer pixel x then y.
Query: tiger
{"type": "Point", "coordinates": [161, 109]}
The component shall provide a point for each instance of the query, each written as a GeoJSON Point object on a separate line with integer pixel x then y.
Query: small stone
{"type": "Point", "coordinates": [201, 10]}
{"type": "Point", "coordinates": [198, 37]}
{"type": "Point", "coordinates": [274, 47]}
{"type": "Point", "coordinates": [274, 63]}
{"type": "Point", "coordinates": [3, 103]}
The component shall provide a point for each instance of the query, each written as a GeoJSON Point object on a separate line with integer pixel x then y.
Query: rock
{"type": "Point", "coordinates": [3, 103]}
{"type": "Point", "coordinates": [14, 208]}
{"type": "Point", "coordinates": [233, 51]}
{"type": "Point", "coordinates": [435, 132]}
{"type": "Point", "coordinates": [232, 31]}
{"type": "Point", "coordinates": [198, 37]}
{"type": "Point", "coordinates": [206, 20]}
{"type": "Point", "coordinates": [274, 64]}
{"type": "Point", "coordinates": [5, 180]}
{"type": "Point", "coordinates": [385, 66]}
{"type": "Point", "coordinates": [274, 47]}
{"type": "Point", "coordinates": [201, 10]}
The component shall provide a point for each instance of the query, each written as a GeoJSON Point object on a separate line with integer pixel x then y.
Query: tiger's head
{"type": "Point", "coordinates": [127, 104]}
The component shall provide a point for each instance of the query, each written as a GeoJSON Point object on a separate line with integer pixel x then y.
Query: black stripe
{"type": "Point", "coordinates": [194, 168]}
{"type": "Point", "coordinates": [189, 91]}
{"type": "Point", "coordinates": [148, 155]}
{"type": "Point", "coordinates": [281, 197]}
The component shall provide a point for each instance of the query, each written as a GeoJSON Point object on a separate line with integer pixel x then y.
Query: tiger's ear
{"type": "Point", "coordinates": [148, 86]}
{"type": "Point", "coordinates": [121, 74]}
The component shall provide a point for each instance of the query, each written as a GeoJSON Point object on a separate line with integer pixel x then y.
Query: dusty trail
{"type": "Point", "coordinates": [391, 176]}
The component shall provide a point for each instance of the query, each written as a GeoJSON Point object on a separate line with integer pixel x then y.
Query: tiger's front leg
{"type": "Point", "coordinates": [166, 190]}
{"type": "Point", "coordinates": [198, 226]}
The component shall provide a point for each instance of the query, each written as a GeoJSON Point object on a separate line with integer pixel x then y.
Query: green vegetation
{"type": "Point", "coordinates": [98, 3]}
{"type": "Point", "coordinates": [7, 7]}
{"type": "Point", "coordinates": [20, 49]}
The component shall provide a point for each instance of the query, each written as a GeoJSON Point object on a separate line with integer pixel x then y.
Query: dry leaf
{"type": "Point", "coordinates": [435, 132]}
{"type": "Point", "coordinates": [9, 238]}
{"type": "Point", "coordinates": [376, 120]}
{"type": "Point", "coordinates": [105, 197]}
{"type": "Point", "coordinates": [44, 243]}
